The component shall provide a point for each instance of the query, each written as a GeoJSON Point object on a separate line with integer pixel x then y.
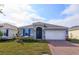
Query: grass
{"type": "Point", "coordinates": [74, 40]}
{"type": "Point", "coordinates": [28, 48]}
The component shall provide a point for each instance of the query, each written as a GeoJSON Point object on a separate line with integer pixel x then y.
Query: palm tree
{"type": "Point", "coordinates": [18, 37]}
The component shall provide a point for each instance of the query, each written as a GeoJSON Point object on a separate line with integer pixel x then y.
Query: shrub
{"type": "Point", "coordinates": [28, 38]}
{"type": "Point", "coordinates": [70, 39]}
{"type": "Point", "coordinates": [1, 34]}
{"type": "Point", "coordinates": [7, 40]}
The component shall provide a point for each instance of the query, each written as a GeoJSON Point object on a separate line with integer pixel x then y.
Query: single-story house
{"type": "Point", "coordinates": [9, 31]}
{"type": "Point", "coordinates": [46, 31]}
{"type": "Point", "coordinates": [74, 32]}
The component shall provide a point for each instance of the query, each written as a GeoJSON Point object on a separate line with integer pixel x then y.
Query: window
{"type": "Point", "coordinates": [27, 32]}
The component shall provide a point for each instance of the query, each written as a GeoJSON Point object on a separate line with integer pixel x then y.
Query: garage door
{"type": "Point", "coordinates": [55, 34]}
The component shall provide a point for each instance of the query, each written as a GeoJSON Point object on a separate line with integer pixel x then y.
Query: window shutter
{"type": "Point", "coordinates": [6, 32]}
{"type": "Point", "coordinates": [29, 31]}
{"type": "Point", "coordinates": [23, 32]}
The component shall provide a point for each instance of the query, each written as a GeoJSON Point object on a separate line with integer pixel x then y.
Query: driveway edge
{"type": "Point", "coordinates": [51, 48]}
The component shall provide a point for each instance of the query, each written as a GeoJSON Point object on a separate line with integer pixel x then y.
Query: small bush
{"type": "Point", "coordinates": [69, 39]}
{"type": "Point", "coordinates": [1, 34]}
{"type": "Point", "coordinates": [30, 39]}
{"type": "Point", "coordinates": [73, 40]}
{"type": "Point", "coordinates": [7, 40]}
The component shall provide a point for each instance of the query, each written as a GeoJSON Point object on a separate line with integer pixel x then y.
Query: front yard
{"type": "Point", "coordinates": [28, 48]}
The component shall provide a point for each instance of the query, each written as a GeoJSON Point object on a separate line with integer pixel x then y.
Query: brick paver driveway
{"type": "Point", "coordinates": [63, 48]}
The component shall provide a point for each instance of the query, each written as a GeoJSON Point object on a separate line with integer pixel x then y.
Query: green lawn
{"type": "Point", "coordinates": [29, 48]}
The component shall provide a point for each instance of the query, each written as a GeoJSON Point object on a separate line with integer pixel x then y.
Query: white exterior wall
{"type": "Point", "coordinates": [11, 33]}
{"type": "Point", "coordinates": [74, 34]}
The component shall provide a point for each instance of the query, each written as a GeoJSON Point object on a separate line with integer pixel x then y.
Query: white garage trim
{"type": "Point", "coordinates": [55, 34]}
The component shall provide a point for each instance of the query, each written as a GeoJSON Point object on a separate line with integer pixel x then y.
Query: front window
{"type": "Point", "coordinates": [27, 32]}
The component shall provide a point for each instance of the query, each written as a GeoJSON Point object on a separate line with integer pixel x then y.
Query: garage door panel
{"type": "Point", "coordinates": [55, 34]}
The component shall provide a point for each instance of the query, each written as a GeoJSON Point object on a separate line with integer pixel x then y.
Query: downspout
{"type": "Point", "coordinates": [67, 34]}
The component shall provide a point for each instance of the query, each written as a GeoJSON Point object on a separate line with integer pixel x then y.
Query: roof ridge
{"type": "Point", "coordinates": [9, 24]}
{"type": "Point", "coordinates": [50, 24]}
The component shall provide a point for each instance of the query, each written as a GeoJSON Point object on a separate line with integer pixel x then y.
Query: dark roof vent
{"type": "Point", "coordinates": [45, 25]}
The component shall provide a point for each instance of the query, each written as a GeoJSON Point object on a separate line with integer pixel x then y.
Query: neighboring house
{"type": "Point", "coordinates": [74, 32]}
{"type": "Point", "coordinates": [46, 31]}
{"type": "Point", "coordinates": [9, 31]}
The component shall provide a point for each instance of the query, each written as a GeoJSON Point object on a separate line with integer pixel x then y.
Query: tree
{"type": "Point", "coordinates": [1, 9]}
{"type": "Point", "coordinates": [18, 38]}
{"type": "Point", "coordinates": [2, 12]}
{"type": "Point", "coordinates": [1, 34]}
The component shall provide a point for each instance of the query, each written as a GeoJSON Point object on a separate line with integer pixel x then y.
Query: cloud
{"type": "Point", "coordinates": [68, 21]}
{"type": "Point", "coordinates": [37, 18]}
{"type": "Point", "coordinates": [19, 13]}
{"type": "Point", "coordinates": [72, 9]}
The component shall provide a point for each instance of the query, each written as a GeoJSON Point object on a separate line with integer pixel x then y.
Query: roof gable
{"type": "Point", "coordinates": [6, 25]}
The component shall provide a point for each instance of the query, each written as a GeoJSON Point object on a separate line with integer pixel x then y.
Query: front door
{"type": "Point", "coordinates": [38, 33]}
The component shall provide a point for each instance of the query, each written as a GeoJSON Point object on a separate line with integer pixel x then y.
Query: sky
{"type": "Point", "coordinates": [19, 13]}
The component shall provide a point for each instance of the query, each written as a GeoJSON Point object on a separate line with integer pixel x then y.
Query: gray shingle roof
{"type": "Point", "coordinates": [74, 28]}
{"type": "Point", "coordinates": [46, 25]}
{"type": "Point", "coordinates": [6, 25]}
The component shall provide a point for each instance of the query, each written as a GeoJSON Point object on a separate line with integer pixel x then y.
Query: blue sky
{"type": "Point", "coordinates": [19, 13]}
{"type": "Point", "coordinates": [50, 11]}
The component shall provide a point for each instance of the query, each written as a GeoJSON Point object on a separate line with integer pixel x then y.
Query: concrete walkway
{"type": "Point", "coordinates": [63, 48]}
